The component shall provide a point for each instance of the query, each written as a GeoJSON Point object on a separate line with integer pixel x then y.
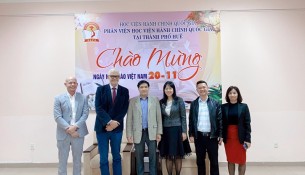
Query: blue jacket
{"type": "Point", "coordinates": [63, 114]}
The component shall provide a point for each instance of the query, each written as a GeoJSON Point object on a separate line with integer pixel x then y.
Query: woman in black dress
{"type": "Point", "coordinates": [174, 144]}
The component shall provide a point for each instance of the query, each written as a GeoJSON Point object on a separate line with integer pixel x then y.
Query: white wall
{"type": "Point", "coordinates": [262, 53]}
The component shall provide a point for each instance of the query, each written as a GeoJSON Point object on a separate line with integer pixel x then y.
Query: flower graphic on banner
{"type": "Point", "coordinates": [206, 19]}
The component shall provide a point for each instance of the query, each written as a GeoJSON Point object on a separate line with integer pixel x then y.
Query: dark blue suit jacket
{"type": "Point", "coordinates": [106, 110]}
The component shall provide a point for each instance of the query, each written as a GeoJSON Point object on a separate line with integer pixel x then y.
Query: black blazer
{"type": "Point", "coordinates": [244, 120]}
{"type": "Point", "coordinates": [106, 111]}
{"type": "Point", "coordinates": [215, 118]}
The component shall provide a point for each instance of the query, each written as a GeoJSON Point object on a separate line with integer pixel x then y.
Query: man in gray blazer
{"type": "Point", "coordinates": [70, 113]}
{"type": "Point", "coordinates": [144, 125]}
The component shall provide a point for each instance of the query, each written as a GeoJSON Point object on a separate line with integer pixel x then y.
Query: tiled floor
{"type": "Point", "coordinates": [251, 170]}
{"type": "Point", "coordinates": [270, 170]}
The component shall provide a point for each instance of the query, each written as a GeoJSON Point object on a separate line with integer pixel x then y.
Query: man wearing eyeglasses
{"type": "Point", "coordinates": [111, 104]}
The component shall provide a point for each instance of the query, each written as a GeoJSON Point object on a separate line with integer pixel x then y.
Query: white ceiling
{"type": "Point", "coordinates": [25, 1]}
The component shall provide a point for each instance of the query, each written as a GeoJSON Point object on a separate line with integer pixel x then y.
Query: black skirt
{"type": "Point", "coordinates": [171, 144]}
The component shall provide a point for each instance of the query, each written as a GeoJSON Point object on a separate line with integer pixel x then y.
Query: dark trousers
{"type": "Point", "coordinates": [139, 150]}
{"type": "Point", "coordinates": [205, 144]}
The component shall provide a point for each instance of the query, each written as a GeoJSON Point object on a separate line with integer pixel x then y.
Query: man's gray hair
{"type": "Point", "coordinates": [113, 71]}
{"type": "Point", "coordinates": [71, 78]}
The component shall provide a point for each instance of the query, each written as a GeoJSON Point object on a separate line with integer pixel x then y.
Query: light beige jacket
{"type": "Point", "coordinates": [134, 119]}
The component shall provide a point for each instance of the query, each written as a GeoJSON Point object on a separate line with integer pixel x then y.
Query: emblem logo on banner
{"type": "Point", "coordinates": [91, 32]}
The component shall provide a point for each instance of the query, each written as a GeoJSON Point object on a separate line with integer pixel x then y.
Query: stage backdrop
{"type": "Point", "coordinates": [183, 47]}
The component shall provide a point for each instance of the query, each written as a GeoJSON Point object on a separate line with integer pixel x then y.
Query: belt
{"type": "Point", "coordinates": [206, 134]}
{"type": "Point", "coordinates": [144, 129]}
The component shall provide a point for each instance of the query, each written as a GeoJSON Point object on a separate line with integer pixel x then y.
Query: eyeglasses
{"type": "Point", "coordinates": [114, 76]}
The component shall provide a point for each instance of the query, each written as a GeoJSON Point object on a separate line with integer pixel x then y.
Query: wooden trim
{"type": "Point", "coordinates": [92, 147]}
{"type": "Point", "coordinates": [128, 147]}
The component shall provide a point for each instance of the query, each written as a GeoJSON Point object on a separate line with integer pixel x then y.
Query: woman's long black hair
{"type": "Point", "coordinates": [172, 85]}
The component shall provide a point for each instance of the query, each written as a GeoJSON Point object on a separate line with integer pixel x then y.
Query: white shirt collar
{"type": "Point", "coordinates": [202, 100]}
{"type": "Point", "coordinates": [116, 87]}
{"type": "Point", "coordinates": [71, 96]}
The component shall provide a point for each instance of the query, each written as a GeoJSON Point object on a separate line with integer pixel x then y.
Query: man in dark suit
{"type": "Point", "coordinates": [205, 128]}
{"type": "Point", "coordinates": [111, 104]}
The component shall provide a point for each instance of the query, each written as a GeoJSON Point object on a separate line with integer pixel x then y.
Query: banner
{"type": "Point", "coordinates": [182, 47]}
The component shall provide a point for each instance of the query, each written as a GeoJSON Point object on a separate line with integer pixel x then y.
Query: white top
{"type": "Point", "coordinates": [168, 107]}
{"type": "Point", "coordinates": [72, 102]}
{"type": "Point", "coordinates": [204, 124]}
